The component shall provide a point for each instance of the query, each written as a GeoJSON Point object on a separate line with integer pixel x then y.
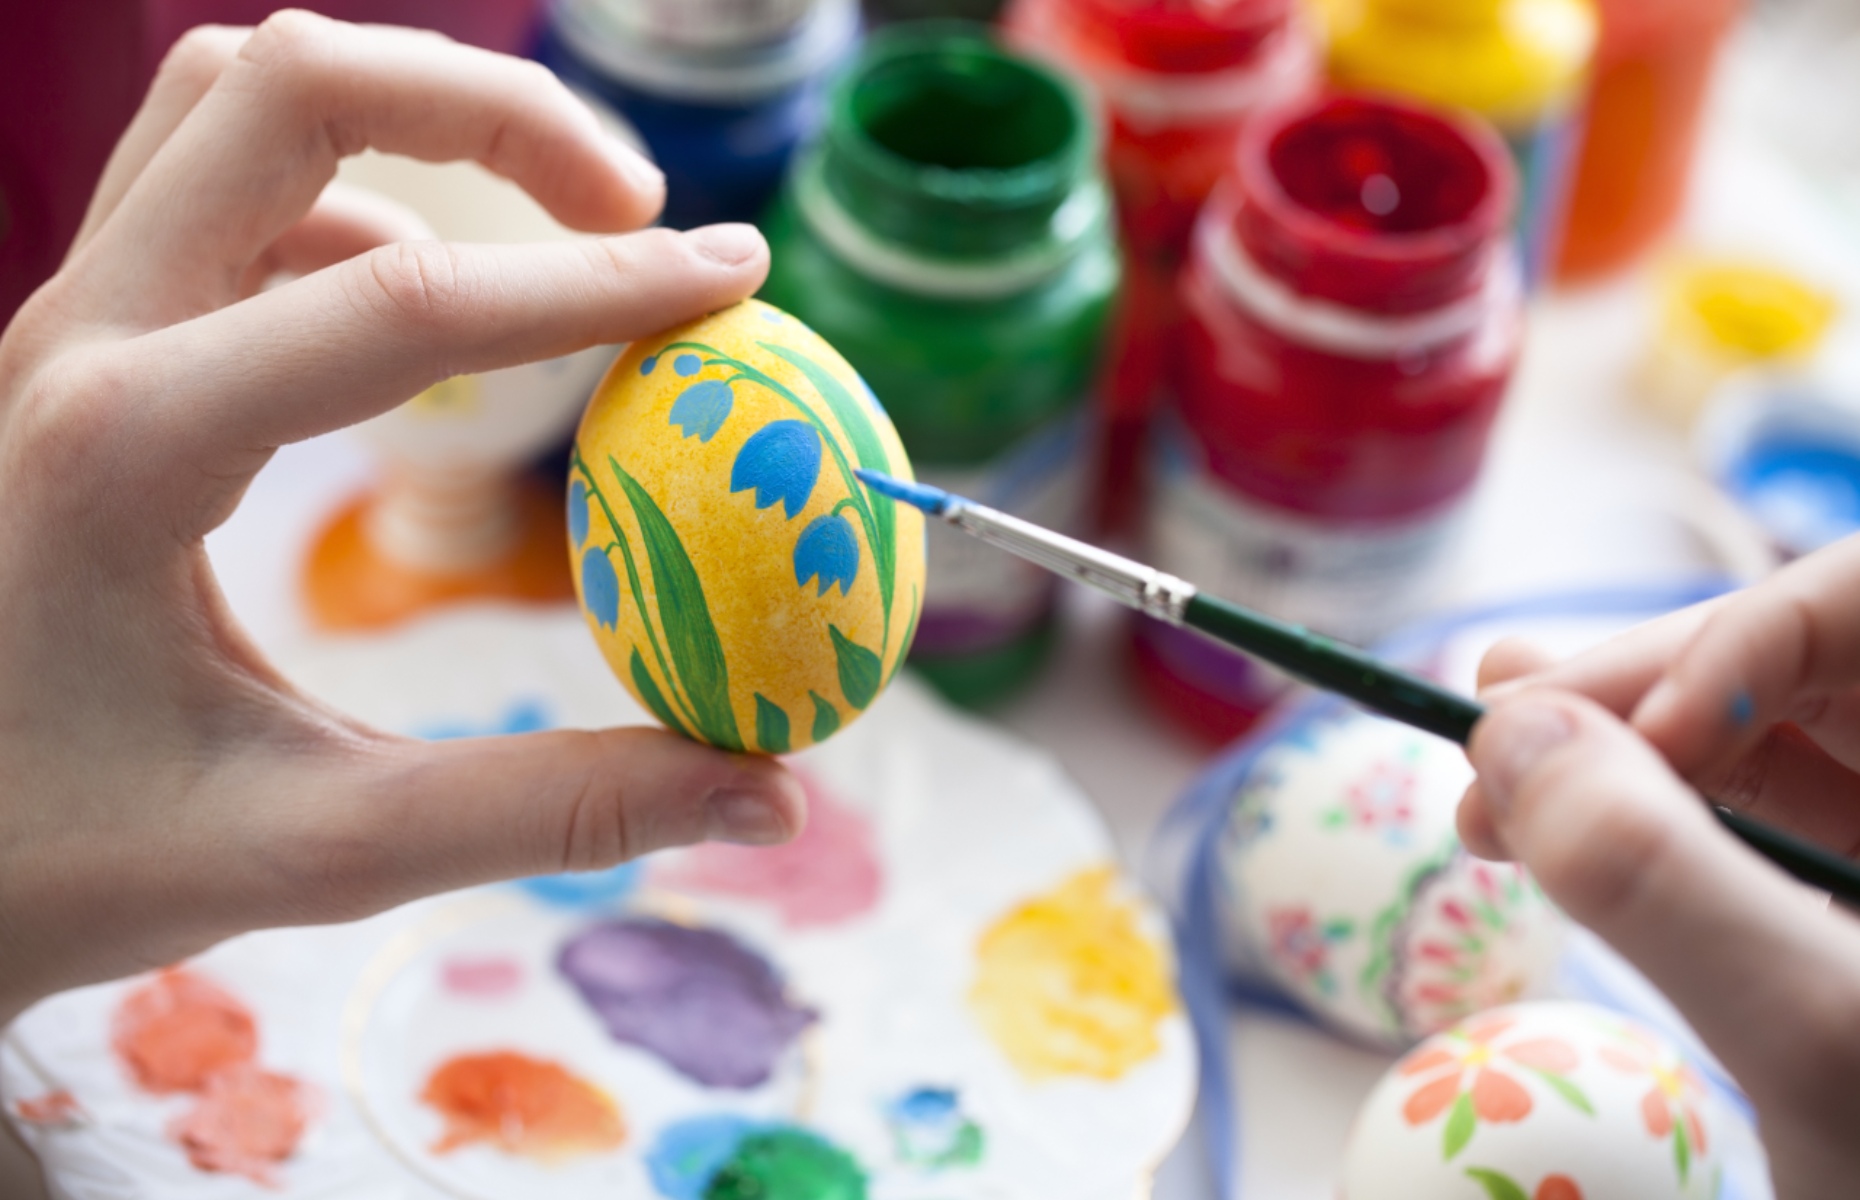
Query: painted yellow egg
{"type": "Point", "coordinates": [742, 583]}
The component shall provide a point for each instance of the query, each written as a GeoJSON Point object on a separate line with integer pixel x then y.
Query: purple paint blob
{"type": "Point", "coordinates": [714, 1010]}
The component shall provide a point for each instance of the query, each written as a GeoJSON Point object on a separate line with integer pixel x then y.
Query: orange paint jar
{"type": "Point", "coordinates": [1652, 75]}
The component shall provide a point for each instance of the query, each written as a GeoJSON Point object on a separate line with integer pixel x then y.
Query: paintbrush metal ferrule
{"type": "Point", "coordinates": [1151, 592]}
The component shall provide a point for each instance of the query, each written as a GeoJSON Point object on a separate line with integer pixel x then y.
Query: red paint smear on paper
{"type": "Point", "coordinates": [53, 1108]}
{"type": "Point", "coordinates": [522, 1105]}
{"type": "Point", "coordinates": [831, 873]}
{"type": "Point", "coordinates": [481, 978]}
{"type": "Point", "coordinates": [175, 1032]}
{"type": "Point", "coordinates": [248, 1121]}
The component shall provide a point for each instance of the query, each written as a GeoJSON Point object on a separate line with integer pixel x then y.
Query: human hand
{"type": "Point", "coordinates": [161, 787]}
{"type": "Point", "coordinates": [1587, 772]}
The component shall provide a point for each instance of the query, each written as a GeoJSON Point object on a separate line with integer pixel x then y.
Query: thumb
{"type": "Point", "coordinates": [1630, 851]}
{"type": "Point", "coordinates": [432, 816]}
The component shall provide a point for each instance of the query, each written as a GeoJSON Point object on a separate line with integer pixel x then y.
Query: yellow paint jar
{"type": "Point", "coordinates": [1520, 64]}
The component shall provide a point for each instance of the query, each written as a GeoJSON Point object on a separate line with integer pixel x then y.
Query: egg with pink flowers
{"type": "Point", "coordinates": [1347, 883]}
{"type": "Point", "coordinates": [1547, 1101]}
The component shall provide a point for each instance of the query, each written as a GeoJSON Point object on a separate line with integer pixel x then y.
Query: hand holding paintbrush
{"type": "Point", "coordinates": [1309, 657]}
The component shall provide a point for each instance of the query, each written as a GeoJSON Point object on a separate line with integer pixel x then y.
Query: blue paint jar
{"type": "Point", "coordinates": [1789, 455]}
{"type": "Point", "coordinates": [721, 93]}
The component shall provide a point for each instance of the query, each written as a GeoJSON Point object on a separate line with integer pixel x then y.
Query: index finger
{"type": "Point", "coordinates": [1783, 650]}
{"type": "Point", "coordinates": [254, 153]}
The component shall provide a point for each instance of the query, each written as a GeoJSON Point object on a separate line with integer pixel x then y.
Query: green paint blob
{"type": "Point", "coordinates": [787, 1164]}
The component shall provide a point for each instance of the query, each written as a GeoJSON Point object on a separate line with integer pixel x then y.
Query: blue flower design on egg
{"type": "Point", "coordinates": [648, 364]}
{"type": "Point", "coordinates": [577, 513]}
{"type": "Point", "coordinates": [702, 408]}
{"type": "Point", "coordinates": [827, 549]}
{"type": "Point", "coordinates": [781, 461]}
{"type": "Point", "coordinates": [687, 365]}
{"type": "Point", "coordinates": [600, 587]}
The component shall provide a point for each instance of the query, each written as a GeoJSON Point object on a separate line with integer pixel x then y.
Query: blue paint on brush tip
{"type": "Point", "coordinates": [932, 500]}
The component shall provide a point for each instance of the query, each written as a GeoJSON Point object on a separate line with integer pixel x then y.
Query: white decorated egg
{"type": "Point", "coordinates": [1547, 1101]}
{"type": "Point", "coordinates": [1347, 881]}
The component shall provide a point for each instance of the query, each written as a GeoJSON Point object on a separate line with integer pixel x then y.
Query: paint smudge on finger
{"type": "Point", "coordinates": [829, 874]}
{"type": "Point", "coordinates": [709, 1007]}
{"type": "Point", "coordinates": [248, 1122]}
{"type": "Point", "coordinates": [50, 1110]}
{"type": "Point", "coordinates": [523, 1106]}
{"type": "Point", "coordinates": [1069, 984]}
{"type": "Point", "coordinates": [727, 1157]}
{"type": "Point", "coordinates": [176, 1031]}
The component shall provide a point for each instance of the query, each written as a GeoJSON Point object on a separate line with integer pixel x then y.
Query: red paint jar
{"type": "Point", "coordinates": [1354, 315]}
{"type": "Point", "coordinates": [1177, 80]}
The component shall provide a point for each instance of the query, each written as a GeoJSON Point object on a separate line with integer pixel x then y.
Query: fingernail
{"type": "Point", "coordinates": [1518, 737]}
{"type": "Point", "coordinates": [639, 170]}
{"type": "Point", "coordinates": [744, 818]}
{"type": "Point", "coordinates": [731, 245]}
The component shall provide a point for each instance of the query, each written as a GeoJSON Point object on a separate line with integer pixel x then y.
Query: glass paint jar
{"type": "Point", "coordinates": [1176, 80]}
{"type": "Point", "coordinates": [721, 91]}
{"type": "Point", "coordinates": [950, 234]}
{"type": "Point", "coordinates": [1653, 71]}
{"type": "Point", "coordinates": [1520, 64]}
{"type": "Point", "coordinates": [1354, 316]}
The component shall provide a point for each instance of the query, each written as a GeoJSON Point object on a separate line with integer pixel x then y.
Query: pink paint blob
{"type": "Point", "coordinates": [481, 978]}
{"type": "Point", "coordinates": [830, 874]}
{"type": "Point", "coordinates": [51, 1109]}
{"type": "Point", "coordinates": [248, 1121]}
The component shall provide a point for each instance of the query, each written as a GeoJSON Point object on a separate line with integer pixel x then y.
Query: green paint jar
{"type": "Point", "coordinates": [949, 234]}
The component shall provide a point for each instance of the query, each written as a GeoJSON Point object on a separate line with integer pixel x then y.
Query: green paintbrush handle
{"type": "Point", "coordinates": [1336, 667]}
{"type": "Point", "coordinates": [1375, 685]}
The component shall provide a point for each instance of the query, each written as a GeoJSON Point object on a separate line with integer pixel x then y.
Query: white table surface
{"type": "Point", "coordinates": [1583, 487]}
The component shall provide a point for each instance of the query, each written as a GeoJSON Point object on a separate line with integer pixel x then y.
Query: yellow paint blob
{"type": "Point", "coordinates": [739, 579]}
{"type": "Point", "coordinates": [1069, 984]}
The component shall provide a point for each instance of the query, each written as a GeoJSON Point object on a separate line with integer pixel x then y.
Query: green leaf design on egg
{"type": "Point", "coordinates": [860, 669]}
{"type": "Point", "coordinates": [826, 718]}
{"type": "Point", "coordinates": [655, 699]}
{"type": "Point", "coordinates": [690, 635]}
{"type": "Point", "coordinates": [1496, 1185]}
{"type": "Point", "coordinates": [771, 725]}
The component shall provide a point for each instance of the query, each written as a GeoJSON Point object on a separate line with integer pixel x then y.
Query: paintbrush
{"type": "Point", "coordinates": [1309, 657]}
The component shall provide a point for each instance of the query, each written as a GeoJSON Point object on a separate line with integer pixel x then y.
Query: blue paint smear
{"type": "Point", "coordinates": [522, 716]}
{"type": "Point", "coordinates": [1806, 493]}
{"type": "Point", "coordinates": [688, 1155]}
{"type": "Point", "coordinates": [585, 889]}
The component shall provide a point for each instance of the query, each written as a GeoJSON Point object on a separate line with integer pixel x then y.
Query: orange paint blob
{"type": "Point", "coordinates": [53, 1108]}
{"type": "Point", "coordinates": [175, 1032]}
{"type": "Point", "coordinates": [247, 1122]}
{"type": "Point", "coordinates": [523, 1106]}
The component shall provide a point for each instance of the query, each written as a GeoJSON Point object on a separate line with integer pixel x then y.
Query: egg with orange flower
{"type": "Point", "coordinates": [739, 578]}
{"type": "Point", "coordinates": [1554, 1100]}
